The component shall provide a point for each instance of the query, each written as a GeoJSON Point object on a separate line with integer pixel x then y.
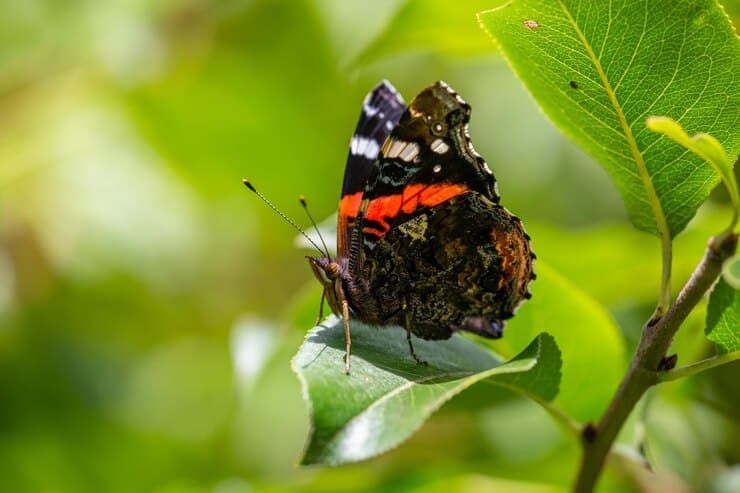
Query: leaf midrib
{"type": "Point", "coordinates": [652, 195]}
{"type": "Point", "coordinates": [462, 378]}
{"type": "Point", "coordinates": [453, 376]}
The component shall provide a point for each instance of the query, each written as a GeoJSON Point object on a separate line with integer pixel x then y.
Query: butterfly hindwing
{"type": "Point", "coordinates": [381, 111]}
{"type": "Point", "coordinates": [464, 264]}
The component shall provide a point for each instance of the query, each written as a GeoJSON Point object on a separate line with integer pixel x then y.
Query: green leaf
{"type": "Point", "coordinates": [703, 145]}
{"type": "Point", "coordinates": [437, 26]}
{"type": "Point", "coordinates": [723, 317]}
{"type": "Point", "coordinates": [600, 69]}
{"type": "Point", "coordinates": [594, 356]}
{"type": "Point", "coordinates": [731, 271]}
{"type": "Point", "coordinates": [706, 147]}
{"type": "Point", "coordinates": [388, 395]}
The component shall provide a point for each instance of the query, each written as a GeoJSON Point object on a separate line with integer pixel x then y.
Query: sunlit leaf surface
{"type": "Point", "coordinates": [706, 147]}
{"type": "Point", "coordinates": [731, 271]}
{"type": "Point", "coordinates": [600, 69]}
{"type": "Point", "coordinates": [723, 317]}
{"type": "Point", "coordinates": [388, 395]}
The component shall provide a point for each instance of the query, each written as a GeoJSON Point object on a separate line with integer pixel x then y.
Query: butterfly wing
{"type": "Point", "coordinates": [465, 264]}
{"type": "Point", "coordinates": [427, 160]}
{"type": "Point", "coordinates": [437, 250]}
{"type": "Point", "coordinates": [381, 111]}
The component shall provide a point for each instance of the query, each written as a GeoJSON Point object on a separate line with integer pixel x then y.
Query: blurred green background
{"type": "Point", "coordinates": [149, 305]}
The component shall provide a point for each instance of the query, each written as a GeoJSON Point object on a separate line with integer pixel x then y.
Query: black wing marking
{"type": "Point", "coordinates": [430, 144]}
{"type": "Point", "coordinates": [381, 111]}
{"type": "Point", "coordinates": [428, 156]}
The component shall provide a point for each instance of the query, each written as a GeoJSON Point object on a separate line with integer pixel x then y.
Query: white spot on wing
{"type": "Point", "coordinates": [439, 146]}
{"type": "Point", "coordinates": [409, 152]}
{"type": "Point", "coordinates": [401, 149]}
{"type": "Point", "coordinates": [363, 146]}
{"type": "Point", "coordinates": [393, 148]}
{"type": "Point", "coordinates": [369, 109]}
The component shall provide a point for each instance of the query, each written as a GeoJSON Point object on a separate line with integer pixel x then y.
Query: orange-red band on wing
{"type": "Point", "coordinates": [429, 195]}
{"type": "Point", "coordinates": [381, 209]}
{"type": "Point", "coordinates": [348, 207]}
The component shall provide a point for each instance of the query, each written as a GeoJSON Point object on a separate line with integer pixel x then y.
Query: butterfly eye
{"type": "Point", "coordinates": [438, 128]}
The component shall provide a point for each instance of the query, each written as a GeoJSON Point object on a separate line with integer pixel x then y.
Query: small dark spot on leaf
{"type": "Point", "coordinates": [531, 24]}
{"type": "Point", "coordinates": [573, 84]}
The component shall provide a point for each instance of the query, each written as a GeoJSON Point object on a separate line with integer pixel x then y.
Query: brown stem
{"type": "Point", "coordinates": [656, 338]}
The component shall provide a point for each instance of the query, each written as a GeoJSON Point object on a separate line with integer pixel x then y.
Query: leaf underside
{"type": "Point", "coordinates": [388, 395]}
{"type": "Point", "coordinates": [706, 147]}
{"type": "Point", "coordinates": [600, 69]}
{"type": "Point", "coordinates": [731, 271]}
{"type": "Point", "coordinates": [723, 317]}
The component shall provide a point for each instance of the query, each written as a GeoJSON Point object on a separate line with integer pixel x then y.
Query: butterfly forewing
{"type": "Point", "coordinates": [427, 160]}
{"type": "Point", "coordinates": [381, 111]}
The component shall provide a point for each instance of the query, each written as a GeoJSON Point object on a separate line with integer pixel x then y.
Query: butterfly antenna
{"type": "Point", "coordinates": [302, 200]}
{"type": "Point", "coordinates": [288, 220]}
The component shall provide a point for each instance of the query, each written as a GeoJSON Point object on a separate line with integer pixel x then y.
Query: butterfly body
{"type": "Point", "coordinates": [422, 240]}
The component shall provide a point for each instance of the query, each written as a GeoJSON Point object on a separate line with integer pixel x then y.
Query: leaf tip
{"type": "Point", "coordinates": [659, 123]}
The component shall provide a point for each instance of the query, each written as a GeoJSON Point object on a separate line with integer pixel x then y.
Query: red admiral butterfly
{"type": "Point", "coordinates": [422, 240]}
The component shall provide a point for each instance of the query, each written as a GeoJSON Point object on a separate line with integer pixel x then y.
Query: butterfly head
{"type": "Point", "coordinates": [326, 269]}
{"type": "Point", "coordinates": [329, 272]}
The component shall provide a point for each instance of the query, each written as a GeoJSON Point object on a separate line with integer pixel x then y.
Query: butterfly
{"type": "Point", "coordinates": [422, 241]}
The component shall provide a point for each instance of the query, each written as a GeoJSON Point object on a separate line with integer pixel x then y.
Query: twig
{"type": "Point", "coordinates": [692, 369]}
{"type": "Point", "coordinates": [656, 338]}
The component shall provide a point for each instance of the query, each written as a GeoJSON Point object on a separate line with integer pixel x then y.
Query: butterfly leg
{"type": "Point", "coordinates": [408, 338]}
{"type": "Point", "coordinates": [411, 348]}
{"type": "Point", "coordinates": [347, 338]}
{"type": "Point", "coordinates": [321, 307]}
